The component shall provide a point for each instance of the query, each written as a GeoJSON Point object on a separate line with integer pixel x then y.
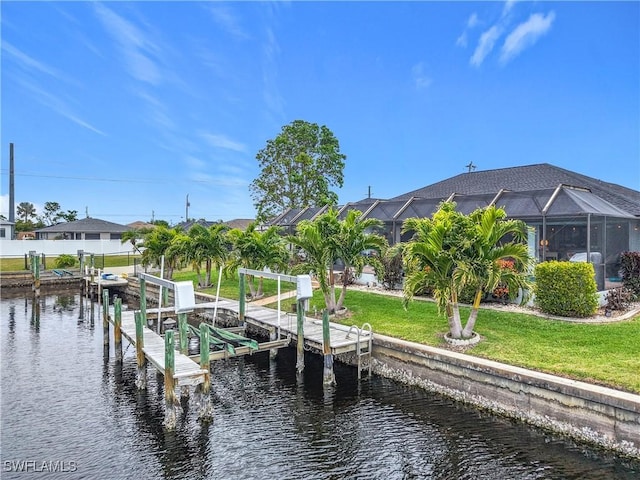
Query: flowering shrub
{"type": "Point", "coordinates": [501, 292]}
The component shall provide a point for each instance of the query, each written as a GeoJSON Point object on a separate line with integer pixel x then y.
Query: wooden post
{"type": "Point", "coordinates": [206, 409]}
{"type": "Point", "coordinates": [117, 333]}
{"type": "Point", "coordinates": [105, 317]}
{"type": "Point", "coordinates": [328, 377]}
{"type": "Point", "coordinates": [35, 270]}
{"type": "Point", "coordinates": [170, 400]}
{"type": "Point", "coordinates": [141, 378]}
{"type": "Point", "coordinates": [183, 330]}
{"type": "Point", "coordinates": [242, 301]}
{"type": "Point", "coordinates": [143, 298]}
{"type": "Point", "coordinates": [300, 344]}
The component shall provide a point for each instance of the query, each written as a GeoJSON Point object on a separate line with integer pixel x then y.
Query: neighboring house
{"type": "Point", "coordinates": [138, 225]}
{"type": "Point", "coordinates": [7, 229]}
{"type": "Point", "coordinates": [570, 215]}
{"type": "Point", "coordinates": [85, 229]}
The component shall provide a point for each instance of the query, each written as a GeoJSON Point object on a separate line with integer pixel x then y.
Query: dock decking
{"type": "Point", "coordinates": [186, 371]}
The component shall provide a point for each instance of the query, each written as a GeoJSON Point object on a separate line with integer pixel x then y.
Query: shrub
{"type": "Point", "coordinates": [619, 298]}
{"type": "Point", "coordinates": [392, 269]}
{"type": "Point", "coordinates": [630, 266]}
{"type": "Point", "coordinates": [65, 261]}
{"type": "Point", "coordinates": [567, 289]}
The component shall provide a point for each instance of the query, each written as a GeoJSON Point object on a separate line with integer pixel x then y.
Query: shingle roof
{"type": "Point", "coordinates": [526, 178]}
{"type": "Point", "coordinates": [88, 225]}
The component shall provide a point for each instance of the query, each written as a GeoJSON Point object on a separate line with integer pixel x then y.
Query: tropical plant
{"type": "Point", "coordinates": [257, 250]}
{"type": "Point", "coordinates": [208, 245]}
{"type": "Point", "coordinates": [326, 240]}
{"type": "Point", "coordinates": [356, 245]}
{"type": "Point", "coordinates": [452, 250]}
{"type": "Point", "coordinates": [135, 237]}
{"type": "Point", "coordinates": [298, 168]}
{"type": "Point", "coordinates": [156, 244]}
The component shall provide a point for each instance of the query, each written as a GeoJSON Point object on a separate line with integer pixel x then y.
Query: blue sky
{"type": "Point", "coordinates": [122, 109]}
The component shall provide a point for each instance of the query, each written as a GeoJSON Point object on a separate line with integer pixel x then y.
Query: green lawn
{"type": "Point", "coordinates": [607, 354]}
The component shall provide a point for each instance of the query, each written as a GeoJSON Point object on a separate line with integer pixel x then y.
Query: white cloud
{"type": "Point", "coordinates": [4, 205]}
{"type": "Point", "coordinates": [29, 63]}
{"type": "Point", "coordinates": [222, 141]}
{"type": "Point", "coordinates": [135, 45]}
{"type": "Point", "coordinates": [526, 34]}
{"type": "Point", "coordinates": [508, 5]}
{"type": "Point", "coordinates": [472, 21]}
{"type": "Point", "coordinates": [420, 78]}
{"type": "Point", "coordinates": [59, 106]}
{"type": "Point", "coordinates": [485, 45]}
{"type": "Point", "coordinates": [223, 16]}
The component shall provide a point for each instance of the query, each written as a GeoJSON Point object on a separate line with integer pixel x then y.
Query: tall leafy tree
{"type": "Point", "coordinates": [298, 169]}
{"type": "Point", "coordinates": [50, 213]}
{"type": "Point", "coordinates": [26, 211]}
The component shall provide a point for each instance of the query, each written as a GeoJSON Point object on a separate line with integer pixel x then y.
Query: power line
{"type": "Point", "coordinates": [123, 180]}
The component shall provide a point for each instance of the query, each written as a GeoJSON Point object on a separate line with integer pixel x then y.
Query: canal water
{"type": "Point", "coordinates": [69, 411]}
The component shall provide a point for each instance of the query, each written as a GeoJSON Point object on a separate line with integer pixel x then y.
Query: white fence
{"type": "Point", "coordinates": [18, 248]}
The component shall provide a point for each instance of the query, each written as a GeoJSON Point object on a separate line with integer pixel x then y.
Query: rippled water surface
{"type": "Point", "coordinates": [69, 408]}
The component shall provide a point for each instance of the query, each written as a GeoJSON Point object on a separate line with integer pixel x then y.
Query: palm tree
{"type": "Point", "coordinates": [484, 266]}
{"type": "Point", "coordinates": [451, 250]}
{"type": "Point", "coordinates": [353, 239]}
{"type": "Point", "coordinates": [328, 239]}
{"type": "Point", "coordinates": [156, 244]}
{"type": "Point", "coordinates": [204, 244]}
{"type": "Point", "coordinates": [258, 250]}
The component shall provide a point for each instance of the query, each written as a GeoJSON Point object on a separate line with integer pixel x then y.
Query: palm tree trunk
{"type": "Point", "coordinates": [343, 292]}
{"type": "Point", "coordinates": [455, 325]}
{"type": "Point", "coordinates": [471, 322]}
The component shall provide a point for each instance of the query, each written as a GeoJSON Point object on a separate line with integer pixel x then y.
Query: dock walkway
{"type": "Point", "coordinates": [186, 372]}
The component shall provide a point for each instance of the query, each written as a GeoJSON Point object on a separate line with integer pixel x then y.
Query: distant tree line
{"type": "Point", "coordinates": [27, 218]}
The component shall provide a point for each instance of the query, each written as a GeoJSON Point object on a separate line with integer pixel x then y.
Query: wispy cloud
{"type": "Point", "coordinates": [222, 141]}
{"type": "Point", "coordinates": [271, 94]}
{"type": "Point", "coordinates": [486, 43]}
{"type": "Point", "coordinates": [58, 105]}
{"type": "Point", "coordinates": [29, 63]}
{"type": "Point", "coordinates": [526, 34]}
{"type": "Point", "coordinates": [461, 41]}
{"type": "Point", "coordinates": [420, 78]}
{"type": "Point", "coordinates": [225, 18]}
{"type": "Point", "coordinates": [137, 48]}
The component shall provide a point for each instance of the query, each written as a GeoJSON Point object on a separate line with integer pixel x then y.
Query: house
{"type": "Point", "coordinates": [85, 229]}
{"type": "Point", "coordinates": [7, 230]}
{"type": "Point", "coordinates": [570, 215]}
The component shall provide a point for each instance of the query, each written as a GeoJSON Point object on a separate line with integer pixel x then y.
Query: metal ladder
{"type": "Point", "coordinates": [360, 351]}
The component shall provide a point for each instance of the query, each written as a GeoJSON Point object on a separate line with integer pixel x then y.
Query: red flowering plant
{"type": "Point", "coordinates": [501, 292]}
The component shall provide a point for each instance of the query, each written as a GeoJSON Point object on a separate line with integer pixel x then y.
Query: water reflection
{"type": "Point", "coordinates": [68, 403]}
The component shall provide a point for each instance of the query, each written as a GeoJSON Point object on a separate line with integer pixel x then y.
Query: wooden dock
{"type": "Point", "coordinates": [186, 372]}
{"type": "Point", "coordinates": [342, 339]}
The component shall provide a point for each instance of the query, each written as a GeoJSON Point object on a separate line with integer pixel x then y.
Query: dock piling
{"type": "Point", "coordinates": [117, 325]}
{"type": "Point", "coordinates": [183, 329]}
{"type": "Point", "coordinates": [105, 317]}
{"type": "Point", "coordinates": [300, 330]}
{"type": "Point", "coordinates": [202, 390]}
{"type": "Point", "coordinates": [170, 400]}
{"type": "Point", "coordinates": [141, 377]}
{"type": "Point", "coordinates": [328, 377]}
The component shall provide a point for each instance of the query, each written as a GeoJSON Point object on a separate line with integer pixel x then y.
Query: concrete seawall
{"type": "Point", "coordinates": [589, 413]}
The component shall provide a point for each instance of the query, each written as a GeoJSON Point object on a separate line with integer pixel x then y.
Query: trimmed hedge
{"type": "Point", "coordinates": [567, 289]}
{"type": "Point", "coordinates": [630, 266]}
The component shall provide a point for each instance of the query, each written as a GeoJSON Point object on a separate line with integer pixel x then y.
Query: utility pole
{"type": "Point", "coordinates": [12, 191]}
{"type": "Point", "coordinates": [186, 218]}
